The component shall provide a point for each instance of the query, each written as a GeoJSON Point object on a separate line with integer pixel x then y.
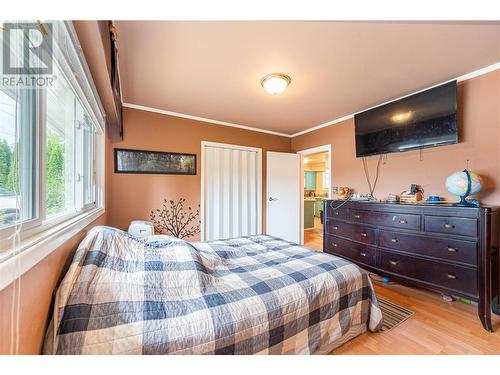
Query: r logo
{"type": "Point", "coordinates": [26, 50]}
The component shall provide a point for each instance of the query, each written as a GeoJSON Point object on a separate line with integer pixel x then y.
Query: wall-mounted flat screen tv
{"type": "Point", "coordinates": [425, 119]}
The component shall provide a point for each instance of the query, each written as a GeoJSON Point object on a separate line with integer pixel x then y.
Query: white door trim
{"type": "Point", "coordinates": [202, 184]}
{"type": "Point", "coordinates": [303, 153]}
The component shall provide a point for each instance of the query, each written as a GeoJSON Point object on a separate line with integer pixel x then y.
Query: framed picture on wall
{"type": "Point", "coordinates": [154, 162]}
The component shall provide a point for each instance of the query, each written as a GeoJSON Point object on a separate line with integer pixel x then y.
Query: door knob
{"type": "Point", "coordinates": [272, 199]}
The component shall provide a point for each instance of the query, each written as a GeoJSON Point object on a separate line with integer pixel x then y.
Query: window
{"type": "Point", "coordinates": [51, 143]}
{"type": "Point", "coordinates": [60, 147]}
{"type": "Point", "coordinates": [88, 162]}
{"type": "Point", "coordinates": [84, 165]}
{"type": "Point", "coordinates": [17, 156]}
{"type": "Point", "coordinates": [8, 211]}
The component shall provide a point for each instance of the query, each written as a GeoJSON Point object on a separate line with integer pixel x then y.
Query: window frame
{"type": "Point", "coordinates": [7, 231]}
{"type": "Point", "coordinates": [41, 235]}
{"type": "Point", "coordinates": [326, 179]}
{"type": "Point", "coordinates": [40, 221]}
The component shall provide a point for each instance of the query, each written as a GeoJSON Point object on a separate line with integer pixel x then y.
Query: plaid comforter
{"type": "Point", "coordinates": [246, 295]}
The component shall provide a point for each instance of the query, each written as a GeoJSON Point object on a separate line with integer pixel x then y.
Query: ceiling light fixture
{"type": "Point", "coordinates": [275, 83]}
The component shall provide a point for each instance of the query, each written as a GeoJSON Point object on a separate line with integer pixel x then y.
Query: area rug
{"type": "Point", "coordinates": [393, 314]}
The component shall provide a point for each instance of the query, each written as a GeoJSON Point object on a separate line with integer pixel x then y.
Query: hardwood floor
{"type": "Point", "coordinates": [437, 327]}
{"type": "Point", "coordinates": [313, 237]}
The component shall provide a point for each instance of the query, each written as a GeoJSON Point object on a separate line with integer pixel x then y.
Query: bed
{"type": "Point", "coordinates": [248, 295]}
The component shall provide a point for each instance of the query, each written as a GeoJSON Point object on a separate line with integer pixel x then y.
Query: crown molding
{"type": "Point", "coordinates": [464, 77]}
{"type": "Point", "coordinates": [203, 119]}
{"type": "Point", "coordinates": [320, 126]}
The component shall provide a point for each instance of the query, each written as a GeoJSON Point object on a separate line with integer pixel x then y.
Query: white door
{"type": "Point", "coordinates": [283, 196]}
{"type": "Point", "coordinates": [231, 198]}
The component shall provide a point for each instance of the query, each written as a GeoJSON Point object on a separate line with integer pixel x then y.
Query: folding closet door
{"type": "Point", "coordinates": [231, 191]}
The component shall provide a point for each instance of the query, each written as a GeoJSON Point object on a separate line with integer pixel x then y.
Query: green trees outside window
{"type": "Point", "coordinates": [54, 172]}
{"type": "Point", "coordinates": [6, 168]}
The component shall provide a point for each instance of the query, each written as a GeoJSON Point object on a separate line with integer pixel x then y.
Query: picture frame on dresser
{"type": "Point", "coordinates": [452, 250]}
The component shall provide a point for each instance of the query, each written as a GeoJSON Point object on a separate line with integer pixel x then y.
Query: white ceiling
{"type": "Point", "coordinates": [213, 69]}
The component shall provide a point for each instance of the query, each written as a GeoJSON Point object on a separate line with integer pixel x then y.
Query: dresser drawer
{"type": "Point", "coordinates": [386, 219]}
{"type": "Point", "coordinates": [451, 225]}
{"type": "Point", "coordinates": [443, 248]}
{"type": "Point", "coordinates": [355, 232]}
{"type": "Point", "coordinates": [354, 251]}
{"type": "Point", "coordinates": [340, 213]}
{"type": "Point", "coordinates": [444, 275]}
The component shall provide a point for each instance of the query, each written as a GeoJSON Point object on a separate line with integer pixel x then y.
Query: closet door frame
{"type": "Point", "coordinates": [205, 144]}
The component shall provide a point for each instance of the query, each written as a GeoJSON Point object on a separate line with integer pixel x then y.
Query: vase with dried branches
{"type": "Point", "coordinates": [175, 220]}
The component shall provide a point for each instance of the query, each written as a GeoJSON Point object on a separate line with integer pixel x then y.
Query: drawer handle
{"type": "Point", "coordinates": [449, 226]}
{"type": "Point", "coordinates": [336, 213]}
{"type": "Point", "coordinates": [334, 244]}
{"type": "Point", "coordinates": [403, 221]}
{"type": "Point", "coordinates": [363, 234]}
{"type": "Point", "coordinates": [452, 249]}
{"type": "Point", "coordinates": [357, 216]}
{"type": "Point", "coordinates": [335, 227]}
{"type": "Point", "coordinates": [394, 240]}
{"type": "Point", "coordinates": [363, 254]}
{"type": "Point", "coordinates": [451, 276]}
{"type": "Point", "coordinates": [394, 262]}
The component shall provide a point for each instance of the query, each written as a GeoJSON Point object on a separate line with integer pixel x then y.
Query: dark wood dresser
{"type": "Point", "coordinates": [453, 250]}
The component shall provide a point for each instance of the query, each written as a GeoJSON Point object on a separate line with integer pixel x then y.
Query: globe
{"type": "Point", "coordinates": [464, 184]}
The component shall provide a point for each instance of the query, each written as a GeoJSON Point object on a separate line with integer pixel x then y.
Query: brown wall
{"type": "Point", "coordinates": [479, 120]}
{"type": "Point", "coordinates": [133, 196]}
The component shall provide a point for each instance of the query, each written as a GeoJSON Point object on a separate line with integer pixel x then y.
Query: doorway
{"type": "Point", "coordinates": [315, 185]}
